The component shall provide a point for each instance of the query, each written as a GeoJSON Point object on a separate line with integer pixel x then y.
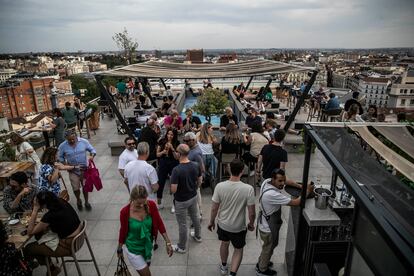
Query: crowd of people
{"type": "Point", "coordinates": [187, 162]}
{"type": "Point", "coordinates": [44, 189]}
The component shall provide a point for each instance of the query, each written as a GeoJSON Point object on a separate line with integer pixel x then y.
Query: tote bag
{"type": "Point", "coordinates": [92, 178]}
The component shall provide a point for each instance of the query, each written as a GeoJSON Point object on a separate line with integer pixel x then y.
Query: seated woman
{"type": "Point", "coordinates": [10, 258]}
{"type": "Point", "coordinates": [231, 141]}
{"type": "Point", "coordinates": [60, 219]}
{"type": "Point", "coordinates": [18, 195]}
{"type": "Point", "coordinates": [352, 114]}
{"type": "Point", "coordinates": [370, 115]}
{"type": "Point", "coordinates": [140, 224]}
{"type": "Point", "coordinates": [49, 171]}
{"type": "Point", "coordinates": [257, 140]}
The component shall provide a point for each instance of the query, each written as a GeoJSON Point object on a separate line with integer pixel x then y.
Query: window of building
{"type": "Point", "coordinates": [411, 91]}
{"type": "Point", "coordinates": [380, 103]}
{"type": "Point", "coordinates": [402, 101]}
{"type": "Point", "coordinates": [411, 102]}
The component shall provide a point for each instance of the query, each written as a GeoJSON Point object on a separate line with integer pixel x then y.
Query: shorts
{"type": "Point", "coordinates": [76, 181]}
{"type": "Point", "coordinates": [238, 240]}
{"type": "Point", "coordinates": [137, 261]}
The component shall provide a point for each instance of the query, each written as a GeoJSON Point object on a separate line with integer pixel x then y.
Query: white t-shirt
{"type": "Point", "coordinates": [233, 198]}
{"type": "Point", "coordinates": [271, 202]}
{"type": "Point", "coordinates": [126, 157]}
{"type": "Point", "coordinates": [139, 172]}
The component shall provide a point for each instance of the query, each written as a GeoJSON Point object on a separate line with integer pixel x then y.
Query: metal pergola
{"type": "Point", "coordinates": [164, 70]}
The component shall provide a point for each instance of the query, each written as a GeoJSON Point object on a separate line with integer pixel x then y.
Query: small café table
{"type": "Point", "coordinates": [15, 231]}
{"type": "Point", "coordinates": [9, 168]}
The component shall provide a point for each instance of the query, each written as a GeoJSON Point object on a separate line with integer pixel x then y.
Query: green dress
{"type": "Point", "coordinates": [138, 239]}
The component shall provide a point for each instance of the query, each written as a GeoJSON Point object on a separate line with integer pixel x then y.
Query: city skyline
{"type": "Point", "coordinates": [38, 26]}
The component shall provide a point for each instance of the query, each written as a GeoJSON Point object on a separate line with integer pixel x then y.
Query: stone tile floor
{"type": "Point", "coordinates": [201, 258]}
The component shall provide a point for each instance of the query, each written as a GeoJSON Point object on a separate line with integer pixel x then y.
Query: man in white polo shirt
{"type": "Point", "coordinates": [269, 218]}
{"type": "Point", "coordinates": [129, 154]}
{"type": "Point", "coordinates": [139, 172]}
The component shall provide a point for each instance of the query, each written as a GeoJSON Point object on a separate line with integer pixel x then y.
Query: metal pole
{"type": "Point", "coordinates": [248, 83]}
{"type": "Point", "coordinates": [163, 83]}
{"type": "Point", "coordinates": [108, 97]}
{"type": "Point", "coordinates": [268, 83]}
{"type": "Point", "coordinates": [301, 100]}
{"type": "Point", "coordinates": [300, 239]}
{"type": "Point", "coordinates": [147, 91]}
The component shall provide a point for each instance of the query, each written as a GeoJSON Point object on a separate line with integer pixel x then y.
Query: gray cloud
{"type": "Point", "coordinates": [40, 25]}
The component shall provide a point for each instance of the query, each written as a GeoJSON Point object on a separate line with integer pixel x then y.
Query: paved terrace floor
{"type": "Point", "coordinates": [201, 258]}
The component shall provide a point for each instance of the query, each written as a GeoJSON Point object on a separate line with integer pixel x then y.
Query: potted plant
{"type": "Point", "coordinates": [211, 102]}
{"type": "Point", "coordinates": [94, 117]}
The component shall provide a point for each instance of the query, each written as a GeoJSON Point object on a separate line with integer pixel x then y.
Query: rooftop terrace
{"type": "Point", "coordinates": [201, 258]}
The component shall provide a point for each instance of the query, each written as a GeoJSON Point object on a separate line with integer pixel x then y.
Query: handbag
{"type": "Point", "coordinates": [92, 178]}
{"type": "Point", "coordinates": [122, 268]}
{"type": "Point", "coordinates": [64, 194]}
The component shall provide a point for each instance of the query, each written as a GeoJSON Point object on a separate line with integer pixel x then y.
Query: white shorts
{"type": "Point", "coordinates": [137, 261]}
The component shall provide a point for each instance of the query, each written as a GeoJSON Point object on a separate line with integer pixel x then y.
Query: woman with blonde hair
{"type": "Point", "coordinates": [25, 152]}
{"type": "Point", "coordinates": [140, 224]}
{"type": "Point", "coordinates": [205, 140]}
{"type": "Point", "coordinates": [232, 140]}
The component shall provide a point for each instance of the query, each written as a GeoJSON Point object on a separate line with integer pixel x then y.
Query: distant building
{"type": "Point", "coordinates": [195, 56]}
{"type": "Point", "coordinates": [6, 74]}
{"type": "Point", "coordinates": [375, 90]}
{"type": "Point", "coordinates": [227, 58]}
{"type": "Point", "coordinates": [32, 96]}
{"type": "Point", "coordinates": [158, 54]}
{"type": "Point", "coordinates": [401, 96]}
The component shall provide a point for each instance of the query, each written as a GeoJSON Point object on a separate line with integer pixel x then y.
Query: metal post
{"type": "Point", "coordinates": [163, 83]}
{"type": "Point", "coordinates": [108, 97]}
{"type": "Point", "coordinates": [301, 100]}
{"type": "Point", "coordinates": [248, 83]}
{"type": "Point", "coordinates": [268, 84]}
{"type": "Point", "coordinates": [147, 91]}
{"type": "Point", "coordinates": [299, 239]}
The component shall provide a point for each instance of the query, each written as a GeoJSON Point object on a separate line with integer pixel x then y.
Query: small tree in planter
{"type": "Point", "coordinates": [211, 103]}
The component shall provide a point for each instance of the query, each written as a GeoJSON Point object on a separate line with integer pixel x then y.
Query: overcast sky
{"type": "Point", "coordinates": [88, 25]}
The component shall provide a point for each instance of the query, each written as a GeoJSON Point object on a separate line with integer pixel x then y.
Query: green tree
{"type": "Point", "coordinates": [126, 44]}
{"type": "Point", "coordinates": [211, 103]}
{"type": "Point", "coordinates": [79, 82]}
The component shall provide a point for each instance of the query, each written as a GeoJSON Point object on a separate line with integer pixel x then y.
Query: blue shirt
{"type": "Point", "coordinates": [333, 103]}
{"type": "Point", "coordinates": [45, 171]}
{"type": "Point", "coordinates": [75, 155]}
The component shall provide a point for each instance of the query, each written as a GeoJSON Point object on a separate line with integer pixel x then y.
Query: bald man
{"type": "Point", "coordinates": [185, 179]}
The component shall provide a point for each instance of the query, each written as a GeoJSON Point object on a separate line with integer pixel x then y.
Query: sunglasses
{"type": "Point", "coordinates": [131, 144]}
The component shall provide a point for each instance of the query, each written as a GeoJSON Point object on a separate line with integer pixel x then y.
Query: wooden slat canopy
{"type": "Point", "coordinates": [399, 136]}
{"type": "Point", "coordinates": [169, 70]}
{"type": "Point", "coordinates": [398, 162]}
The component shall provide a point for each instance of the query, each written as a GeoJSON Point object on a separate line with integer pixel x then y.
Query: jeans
{"type": "Point", "coordinates": [210, 162]}
{"type": "Point", "coordinates": [181, 208]}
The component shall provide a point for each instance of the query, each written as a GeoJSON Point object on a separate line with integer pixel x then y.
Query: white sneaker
{"type": "Point", "coordinates": [192, 232]}
{"type": "Point", "coordinates": [173, 209]}
{"type": "Point", "coordinates": [224, 270]}
{"type": "Point", "coordinates": [197, 239]}
{"type": "Point", "coordinates": [160, 206]}
{"type": "Point", "coordinates": [178, 250]}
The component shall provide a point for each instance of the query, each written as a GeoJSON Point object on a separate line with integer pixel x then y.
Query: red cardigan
{"type": "Point", "coordinates": [157, 223]}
